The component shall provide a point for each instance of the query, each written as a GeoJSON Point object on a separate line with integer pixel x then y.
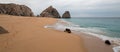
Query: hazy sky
{"type": "Point", "coordinates": [77, 8]}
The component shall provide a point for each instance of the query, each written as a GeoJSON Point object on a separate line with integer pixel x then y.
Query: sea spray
{"type": "Point", "coordinates": [94, 31]}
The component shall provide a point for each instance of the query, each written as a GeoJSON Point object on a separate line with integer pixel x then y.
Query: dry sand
{"type": "Point", "coordinates": [27, 34]}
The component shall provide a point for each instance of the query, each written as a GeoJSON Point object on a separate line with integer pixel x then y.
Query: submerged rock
{"type": "Point", "coordinates": [50, 12]}
{"type": "Point", "coordinates": [66, 15]}
{"type": "Point", "coordinates": [15, 9]}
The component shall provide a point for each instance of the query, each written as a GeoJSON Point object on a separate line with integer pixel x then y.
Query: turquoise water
{"type": "Point", "coordinates": [102, 26]}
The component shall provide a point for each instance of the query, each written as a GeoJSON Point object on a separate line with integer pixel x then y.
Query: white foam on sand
{"type": "Point", "coordinates": [116, 49]}
{"type": "Point", "coordinates": [61, 25]}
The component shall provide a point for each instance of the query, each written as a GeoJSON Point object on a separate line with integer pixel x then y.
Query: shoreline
{"type": "Point", "coordinates": [27, 34]}
{"type": "Point", "coordinates": [88, 40]}
{"type": "Point", "coordinates": [91, 43]}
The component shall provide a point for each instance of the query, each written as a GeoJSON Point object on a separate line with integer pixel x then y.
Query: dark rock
{"type": "Point", "coordinates": [38, 16]}
{"type": "Point", "coordinates": [67, 30]}
{"type": "Point", "coordinates": [66, 15]}
{"type": "Point", "coordinates": [50, 12]}
{"type": "Point", "coordinates": [107, 42]}
{"type": "Point", "coordinates": [2, 30]}
{"type": "Point", "coordinates": [15, 9]}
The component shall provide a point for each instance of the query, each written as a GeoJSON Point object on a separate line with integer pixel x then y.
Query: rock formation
{"type": "Point", "coordinates": [15, 9]}
{"type": "Point", "coordinates": [107, 42]}
{"type": "Point", "coordinates": [50, 12]}
{"type": "Point", "coordinates": [2, 30]}
{"type": "Point", "coordinates": [67, 30]}
{"type": "Point", "coordinates": [66, 15]}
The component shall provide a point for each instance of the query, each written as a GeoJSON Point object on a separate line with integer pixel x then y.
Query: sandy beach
{"type": "Point", "coordinates": [59, 26]}
{"type": "Point", "coordinates": [27, 34]}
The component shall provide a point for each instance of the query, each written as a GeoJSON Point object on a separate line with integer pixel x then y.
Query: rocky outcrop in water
{"type": "Point", "coordinates": [50, 12]}
{"type": "Point", "coordinates": [66, 15]}
{"type": "Point", "coordinates": [15, 9]}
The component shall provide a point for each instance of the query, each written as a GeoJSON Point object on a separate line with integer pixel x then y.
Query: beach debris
{"type": "Point", "coordinates": [50, 12]}
{"type": "Point", "coordinates": [66, 15]}
{"type": "Point", "coordinates": [15, 9]}
{"type": "Point", "coordinates": [67, 30]}
{"type": "Point", "coordinates": [107, 42]}
{"type": "Point", "coordinates": [2, 30]}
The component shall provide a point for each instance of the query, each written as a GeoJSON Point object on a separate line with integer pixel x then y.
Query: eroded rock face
{"type": "Point", "coordinates": [66, 15]}
{"type": "Point", "coordinates": [50, 12]}
{"type": "Point", "coordinates": [15, 9]}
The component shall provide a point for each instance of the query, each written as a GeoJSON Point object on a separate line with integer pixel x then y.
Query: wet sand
{"type": "Point", "coordinates": [27, 34]}
{"type": "Point", "coordinates": [94, 44]}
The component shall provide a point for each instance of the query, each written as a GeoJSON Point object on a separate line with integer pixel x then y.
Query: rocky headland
{"type": "Point", "coordinates": [22, 10]}
{"type": "Point", "coordinates": [15, 9]}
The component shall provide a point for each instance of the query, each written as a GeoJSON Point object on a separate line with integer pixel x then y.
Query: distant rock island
{"type": "Point", "coordinates": [66, 15]}
{"type": "Point", "coordinates": [15, 9]}
{"type": "Point", "coordinates": [50, 12]}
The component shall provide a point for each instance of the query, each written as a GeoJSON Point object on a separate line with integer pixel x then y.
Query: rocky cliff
{"type": "Point", "coordinates": [15, 9]}
{"type": "Point", "coordinates": [50, 12]}
{"type": "Point", "coordinates": [66, 15]}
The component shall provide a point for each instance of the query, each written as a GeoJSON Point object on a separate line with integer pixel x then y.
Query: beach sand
{"type": "Point", "coordinates": [27, 34]}
{"type": "Point", "coordinates": [94, 44]}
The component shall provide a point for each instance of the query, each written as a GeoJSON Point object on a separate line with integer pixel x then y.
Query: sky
{"type": "Point", "coordinates": [77, 8]}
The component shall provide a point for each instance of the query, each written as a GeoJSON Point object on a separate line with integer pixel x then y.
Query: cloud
{"type": "Point", "coordinates": [78, 8]}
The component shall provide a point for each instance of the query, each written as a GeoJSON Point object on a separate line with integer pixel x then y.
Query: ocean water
{"type": "Point", "coordinates": [103, 28]}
